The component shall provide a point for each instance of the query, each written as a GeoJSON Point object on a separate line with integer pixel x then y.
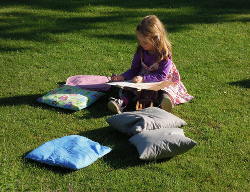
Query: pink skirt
{"type": "Point", "coordinates": [177, 92]}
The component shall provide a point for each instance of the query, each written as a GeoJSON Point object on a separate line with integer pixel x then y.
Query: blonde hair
{"type": "Point", "coordinates": [152, 28]}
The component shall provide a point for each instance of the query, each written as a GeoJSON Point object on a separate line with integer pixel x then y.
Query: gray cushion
{"type": "Point", "coordinates": [161, 143]}
{"type": "Point", "coordinates": [147, 119]}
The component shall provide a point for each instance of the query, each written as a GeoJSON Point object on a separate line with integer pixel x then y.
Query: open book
{"type": "Point", "coordinates": [155, 86]}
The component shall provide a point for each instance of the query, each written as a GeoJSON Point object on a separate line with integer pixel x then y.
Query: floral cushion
{"type": "Point", "coordinates": [70, 97]}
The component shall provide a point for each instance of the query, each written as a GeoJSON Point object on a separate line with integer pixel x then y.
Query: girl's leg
{"type": "Point", "coordinates": [166, 102]}
{"type": "Point", "coordinates": [117, 105]}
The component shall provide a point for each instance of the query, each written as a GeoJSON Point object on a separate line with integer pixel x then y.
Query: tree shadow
{"type": "Point", "coordinates": [123, 154]}
{"type": "Point", "coordinates": [13, 49]}
{"type": "Point", "coordinates": [75, 5]}
{"type": "Point", "coordinates": [36, 31]}
{"type": "Point", "coordinates": [242, 83]}
{"type": "Point", "coordinates": [39, 27]}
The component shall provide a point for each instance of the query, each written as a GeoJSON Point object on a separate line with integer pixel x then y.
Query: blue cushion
{"type": "Point", "coordinates": [73, 152]}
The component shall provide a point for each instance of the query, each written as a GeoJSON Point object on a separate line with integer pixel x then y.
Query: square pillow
{"type": "Point", "coordinates": [73, 152]}
{"type": "Point", "coordinates": [147, 119]}
{"type": "Point", "coordinates": [161, 143]}
{"type": "Point", "coordinates": [70, 97]}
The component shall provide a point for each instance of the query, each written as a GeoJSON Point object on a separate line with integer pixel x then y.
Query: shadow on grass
{"type": "Point", "coordinates": [123, 153]}
{"type": "Point", "coordinates": [40, 25]}
{"type": "Point", "coordinates": [19, 100]}
{"type": "Point", "coordinates": [31, 101]}
{"type": "Point", "coordinates": [13, 49]}
{"type": "Point", "coordinates": [97, 110]}
{"type": "Point", "coordinates": [242, 83]}
{"type": "Point", "coordinates": [72, 6]}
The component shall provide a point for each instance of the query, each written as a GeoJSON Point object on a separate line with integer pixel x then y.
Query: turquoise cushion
{"type": "Point", "coordinates": [73, 152]}
{"type": "Point", "coordinates": [70, 97]}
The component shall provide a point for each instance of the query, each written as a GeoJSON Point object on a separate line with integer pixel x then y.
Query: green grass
{"type": "Point", "coordinates": [44, 42]}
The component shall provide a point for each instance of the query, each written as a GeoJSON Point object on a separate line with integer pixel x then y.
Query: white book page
{"type": "Point", "coordinates": [149, 86]}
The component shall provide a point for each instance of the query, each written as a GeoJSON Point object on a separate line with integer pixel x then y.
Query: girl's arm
{"type": "Point", "coordinates": [160, 74]}
{"type": "Point", "coordinates": [135, 68]}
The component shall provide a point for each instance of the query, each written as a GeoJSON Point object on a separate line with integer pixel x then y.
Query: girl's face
{"type": "Point", "coordinates": [145, 42]}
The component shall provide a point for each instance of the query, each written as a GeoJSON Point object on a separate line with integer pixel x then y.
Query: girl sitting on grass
{"type": "Point", "coordinates": [152, 62]}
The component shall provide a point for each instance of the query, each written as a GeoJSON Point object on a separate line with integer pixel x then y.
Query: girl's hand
{"type": "Point", "coordinates": [117, 78]}
{"type": "Point", "coordinates": [137, 79]}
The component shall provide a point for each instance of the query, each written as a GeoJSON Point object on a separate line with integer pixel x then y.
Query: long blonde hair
{"type": "Point", "coordinates": [152, 28]}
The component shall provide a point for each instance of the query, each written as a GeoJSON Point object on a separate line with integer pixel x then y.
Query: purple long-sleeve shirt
{"type": "Point", "coordinates": [158, 75]}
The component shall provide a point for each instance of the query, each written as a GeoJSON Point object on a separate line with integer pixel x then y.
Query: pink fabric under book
{"type": "Point", "coordinates": [90, 82]}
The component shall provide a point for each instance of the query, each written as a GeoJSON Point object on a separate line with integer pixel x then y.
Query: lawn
{"type": "Point", "coordinates": [44, 42]}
